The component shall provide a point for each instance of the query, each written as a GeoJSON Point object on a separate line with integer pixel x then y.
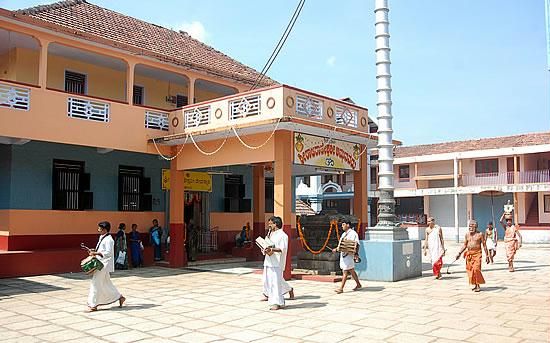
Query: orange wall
{"type": "Point", "coordinates": [232, 153]}
{"type": "Point", "coordinates": [155, 91]}
{"type": "Point", "coordinates": [26, 65]}
{"type": "Point", "coordinates": [100, 81]}
{"type": "Point", "coordinates": [235, 221]}
{"type": "Point", "coordinates": [44, 222]}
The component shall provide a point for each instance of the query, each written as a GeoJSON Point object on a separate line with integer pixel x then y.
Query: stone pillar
{"type": "Point", "coordinates": [283, 189]}
{"type": "Point", "coordinates": [360, 189]}
{"type": "Point", "coordinates": [43, 66]}
{"type": "Point", "coordinates": [390, 254]}
{"type": "Point", "coordinates": [258, 208]}
{"type": "Point", "coordinates": [178, 255]}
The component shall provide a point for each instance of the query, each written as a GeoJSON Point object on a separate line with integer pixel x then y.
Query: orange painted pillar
{"type": "Point", "coordinates": [258, 208]}
{"type": "Point", "coordinates": [283, 192]}
{"type": "Point", "coordinates": [360, 195]}
{"type": "Point", "coordinates": [43, 64]}
{"type": "Point", "coordinates": [178, 255]}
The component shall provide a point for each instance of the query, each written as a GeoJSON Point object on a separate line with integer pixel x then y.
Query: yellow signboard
{"type": "Point", "coordinates": [197, 181]}
{"type": "Point", "coordinates": [324, 152]}
{"type": "Point", "coordinates": [165, 179]}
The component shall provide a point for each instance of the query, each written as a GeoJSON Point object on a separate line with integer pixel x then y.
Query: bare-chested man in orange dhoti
{"type": "Point", "coordinates": [512, 239]}
{"type": "Point", "coordinates": [473, 241]}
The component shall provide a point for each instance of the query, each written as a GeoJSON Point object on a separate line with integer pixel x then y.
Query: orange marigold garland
{"type": "Point", "coordinates": [333, 225]}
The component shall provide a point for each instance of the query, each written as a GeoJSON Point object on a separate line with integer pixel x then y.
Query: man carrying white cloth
{"type": "Point", "coordinates": [274, 263]}
{"type": "Point", "coordinates": [102, 290]}
{"type": "Point", "coordinates": [347, 261]}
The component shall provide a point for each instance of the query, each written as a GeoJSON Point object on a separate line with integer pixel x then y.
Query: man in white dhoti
{"type": "Point", "coordinates": [435, 244]}
{"type": "Point", "coordinates": [274, 263]}
{"type": "Point", "coordinates": [102, 290]}
{"type": "Point", "coordinates": [347, 261]}
{"type": "Point", "coordinates": [285, 286]}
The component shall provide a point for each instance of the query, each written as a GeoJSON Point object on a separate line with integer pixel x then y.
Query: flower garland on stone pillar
{"type": "Point", "coordinates": [333, 226]}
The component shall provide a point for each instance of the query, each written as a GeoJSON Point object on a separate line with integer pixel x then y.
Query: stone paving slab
{"type": "Point", "coordinates": [222, 305]}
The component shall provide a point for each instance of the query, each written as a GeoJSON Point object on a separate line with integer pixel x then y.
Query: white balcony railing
{"type": "Point", "coordinates": [197, 116]}
{"type": "Point", "coordinates": [346, 116]}
{"type": "Point", "coordinates": [535, 176]}
{"type": "Point", "coordinates": [309, 107]}
{"type": "Point", "coordinates": [14, 97]}
{"type": "Point", "coordinates": [156, 120]}
{"type": "Point", "coordinates": [245, 107]}
{"type": "Point", "coordinates": [88, 109]}
{"type": "Point", "coordinates": [488, 179]}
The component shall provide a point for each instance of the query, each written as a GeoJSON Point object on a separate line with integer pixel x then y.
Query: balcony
{"type": "Point", "coordinates": [505, 178]}
{"type": "Point", "coordinates": [30, 112]}
{"type": "Point", "coordinates": [268, 105]}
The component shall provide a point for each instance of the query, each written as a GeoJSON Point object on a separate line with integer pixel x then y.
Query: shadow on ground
{"type": "Point", "coordinates": [17, 286]}
{"type": "Point", "coordinates": [305, 305]}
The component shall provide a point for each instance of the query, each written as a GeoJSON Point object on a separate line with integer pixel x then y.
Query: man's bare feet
{"type": "Point", "coordinates": [275, 307]}
{"type": "Point", "coordinates": [92, 309]}
{"type": "Point", "coordinates": [264, 298]}
{"type": "Point", "coordinates": [121, 301]}
{"type": "Point", "coordinates": [358, 287]}
{"type": "Point", "coordinates": [477, 288]}
{"type": "Point", "coordinates": [291, 294]}
{"type": "Point", "coordinates": [339, 290]}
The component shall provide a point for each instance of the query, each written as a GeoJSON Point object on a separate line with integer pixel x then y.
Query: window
{"type": "Point", "coordinates": [547, 203]}
{"type": "Point", "coordinates": [75, 82]}
{"type": "Point", "coordinates": [138, 95]}
{"type": "Point", "coordinates": [373, 176]}
{"type": "Point", "coordinates": [181, 100]}
{"type": "Point", "coordinates": [306, 180]}
{"type": "Point", "coordinates": [484, 167]}
{"type": "Point", "coordinates": [404, 173]}
{"type": "Point", "coordinates": [69, 185]}
{"type": "Point", "coordinates": [270, 194]}
{"type": "Point", "coordinates": [133, 190]}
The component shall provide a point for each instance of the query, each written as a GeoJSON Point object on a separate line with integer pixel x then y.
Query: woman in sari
{"type": "Point", "coordinates": [135, 247]}
{"type": "Point", "coordinates": [121, 248]}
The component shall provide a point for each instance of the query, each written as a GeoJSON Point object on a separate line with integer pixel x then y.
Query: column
{"type": "Point", "coordinates": [178, 255]}
{"type": "Point", "coordinates": [516, 181]}
{"type": "Point", "coordinates": [191, 93]}
{"type": "Point", "coordinates": [283, 192]}
{"type": "Point", "coordinates": [43, 66]}
{"type": "Point", "coordinates": [130, 83]}
{"type": "Point", "coordinates": [258, 207]}
{"type": "Point", "coordinates": [455, 177]}
{"type": "Point", "coordinates": [360, 194]}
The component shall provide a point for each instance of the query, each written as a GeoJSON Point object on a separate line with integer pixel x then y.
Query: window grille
{"type": "Point", "coordinates": [75, 82]}
{"type": "Point", "coordinates": [138, 95]}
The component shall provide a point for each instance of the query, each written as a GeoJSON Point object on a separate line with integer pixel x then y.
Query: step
{"type": "Point", "coordinates": [217, 261]}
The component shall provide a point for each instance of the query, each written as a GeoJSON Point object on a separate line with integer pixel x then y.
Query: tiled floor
{"type": "Point", "coordinates": [166, 305]}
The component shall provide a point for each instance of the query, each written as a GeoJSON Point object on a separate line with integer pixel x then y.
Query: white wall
{"type": "Point", "coordinates": [435, 168]}
{"type": "Point", "coordinates": [441, 207]}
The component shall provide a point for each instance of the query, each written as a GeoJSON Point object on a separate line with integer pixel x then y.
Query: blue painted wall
{"type": "Point", "coordinates": [5, 176]}
{"type": "Point", "coordinates": [31, 174]}
{"type": "Point", "coordinates": [482, 210]}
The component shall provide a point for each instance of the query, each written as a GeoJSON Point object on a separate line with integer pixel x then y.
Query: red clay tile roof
{"type": "Point", "coordinates": [478, 144]}
{"type": "Point", "coordinates": [87, 21]}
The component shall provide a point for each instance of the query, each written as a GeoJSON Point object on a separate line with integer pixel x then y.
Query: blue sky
{"type": "Point", "coordinates": [461, 69]}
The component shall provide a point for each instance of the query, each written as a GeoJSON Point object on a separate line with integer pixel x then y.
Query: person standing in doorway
{"type": "Point", "coordinates": [491, 238]}
{"type": "Point", "coordinates": [102, 290]}
{"type": "Point", "coordinates": [347, 261]}
{"type": "Point", "coordinates": [473, 242]}
{"type": "Point", "coordinates": [512, 239]}
{"type": "Point", "coordinates": [435, 244]}
{"type": "Point", "coordinates": [155, 234]}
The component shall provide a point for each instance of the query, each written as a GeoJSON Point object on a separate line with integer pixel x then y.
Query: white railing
{"type": "Point", "coordinates": [197, 116]}
{"type": "Point", "coordinates": [488, 179]}
{"type": "Point", "coordinates": [245, 107]}
{"type": "Point", "coordinates": [309, 107]}
{"type": "Point", "coordinates": [208, 241]}
{"type": "Point", "coordinates": [156, 120]}
{"type": "Point", "coordinates": [14, 97]}
{"type": "Point", "coordinates": [346, 116]}
{"type": "Point", "coordinates": [88, 109]}
{"type": "Point", "coordinates": [534, 176]}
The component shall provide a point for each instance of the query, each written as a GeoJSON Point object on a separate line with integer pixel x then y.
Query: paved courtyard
{"type": "Point", "coordinates": [165, 305]}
